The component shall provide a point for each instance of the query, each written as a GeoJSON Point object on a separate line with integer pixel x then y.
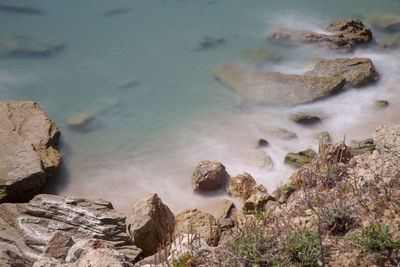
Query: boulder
{"type": "Point", "coordinates": [346, 34]}
{"type": "Point", "coordinates": [256, 202]}
{"type": "Point", "coordinates": [242, 185]}
{"type": "Point", "coordinates": [278, 88]}
{"type": "Point", "coordinates": [305, 119]}
{"type": "Point", "coordinates": [151, 224]}
{"type": "Point", "coordinates": [357, 71]}
{"type": "Point", "coordinates": [193, 221]}
{"type": "Point", "coordinates": [209, 176]}
{"type": "Point", "coordinates": [224, 209]}
{"type": "Point", "coordinates": [28, 154]}
{"type": "Point", "coordinates": [26, 228]}
{"type": "Point", "coordinates": [300, 158]}
{"type": "Point", "coordinates": [260, 56]}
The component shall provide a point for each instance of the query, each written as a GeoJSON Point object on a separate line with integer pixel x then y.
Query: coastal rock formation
{"type": "Point", "coordinates": [346, 34]}
{"type": "Point", "coordinates": [193, 221]}
{"type": "Point", "coordinates": [357, 71]}
{"type": "Point", "coordinates": [28, 155]}
{"type": "Point", "coordinates": [209, 176]}
{"type": "Point", "coordinates": [242, 185]}
{"type": "Point", "coordinates": [26, 228]}
{"type": "Point", "coordinates": [300, 158]}
{"type": "Point", "coordinates": [150, 224]}
{"type": "Point", "coordinates": [278, 88]}
{"type": "Point", "coordinates": [304, 118]}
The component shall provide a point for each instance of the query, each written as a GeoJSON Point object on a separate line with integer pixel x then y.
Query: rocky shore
{"type": "Point", "coordinates": [340, 207]}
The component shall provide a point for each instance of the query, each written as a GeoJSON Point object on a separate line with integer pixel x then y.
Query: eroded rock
{"type": "Point", "coordinates": [209, 176]}
{"type": "Point", "coordinates": [242, 185]}
{"type": "Point", "coordinates": [224, 209]}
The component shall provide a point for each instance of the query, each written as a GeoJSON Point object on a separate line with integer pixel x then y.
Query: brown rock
{"type": "Point", "coordinates": [256, 202]}
{"type": "Point", "coordinates": [276, 87]}
{"type": "Point", "coordinates": [242, 185]}
{"type": "Point", "coordinates": [224, 209]}
{"type": "Point", "coordinates": [305, 119]}
{"type": "Point", "coordinates": [209, 176]}
{"type": "Point", "coordinates": [357, 71]}
{"type": "Point", "coordinates": [28, 155]}
{"type": "Point", "coordinates": [150, 224]}
{"type": "Point", "coordinates": [58, 246]}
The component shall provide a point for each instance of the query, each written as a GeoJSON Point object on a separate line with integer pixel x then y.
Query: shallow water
{"type": "Point", "coordinates": [149, 136]}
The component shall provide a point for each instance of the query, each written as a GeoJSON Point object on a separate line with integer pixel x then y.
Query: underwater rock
{"type": "Point", "coordinates": [128, 84]}
{"type": "Point", "coordinates": [210, 42]}
{"type": "Point", "coordinates": [209, 176]}
{"type": "Point", "coordinates": [276, 87]}
{"type": "Point", "coordinates": [263, 160]}
{"type": "Point", "coordinates": [304, 119]}
{"type": "Point", "coordinates": [346, 34]}
{"type": "Point", "coordinates": [79, 120]}
{"type": "Point", "coordinates": [242, 185]}
{"type": "Point", "coordinates": [357, 71]}
{"type": "Point", "coordinates": [19, 8]}
{"type": "Point", "coordinates": [300, 158]}
{"type": "Point", "coordinates": [116, 11]}
{"type": "Point", "coordinates": [284, 134]}
{"type": "Point", "coordinates": [260, 56]}
{"type": "Point", "coordinates": [24, 46]}
{"type": "Point", "coordinates": [386, 21]}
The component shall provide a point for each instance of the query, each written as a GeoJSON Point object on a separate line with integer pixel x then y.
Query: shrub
{"type": "Point", "coordinates": [375, 238]}
{"type": "Point", "coordinates": [337, 220]}
{"type": "Point", "coordinates": [304, 246]}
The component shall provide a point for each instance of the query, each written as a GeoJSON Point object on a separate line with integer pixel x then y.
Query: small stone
{"type": "Point", "coordinates": [381, 103]}
{"type": "Point", "coordinates": [304, 119]}
{"type": "Point", "coordinates": [224, 209]}
{"type": "Point", "coordinates": [210, 42]}
{"type": "Point", "coordinates": [284, 134]}
{"type": "Point", "coordinates": [261, 143]}
{"type": "Point", "coordinates": [256, 202]}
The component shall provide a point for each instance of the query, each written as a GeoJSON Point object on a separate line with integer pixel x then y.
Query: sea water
{"type": "Point", "coordinates": [157, 108]}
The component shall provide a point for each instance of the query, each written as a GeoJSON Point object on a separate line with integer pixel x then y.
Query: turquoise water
{"type": "Point", "coordinates": [150, 136]}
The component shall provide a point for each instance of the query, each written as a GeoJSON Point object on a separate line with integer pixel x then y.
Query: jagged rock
{"type": "Point", "coordinates": [224, 209]}
{"type": "Point", "coordinates": [19, 8]}
{"type": "Point", "coordinates": [381, 103]}
{"type": "Point", "coordinates": [365, 146]}
{"type": "Point", "coordinates": [58, 246]}
{"type": "Point", "coordinates": [357, 71]}
{"type": "Point", "coordinates": [26, 228]}
{"type": "Point", "coordinates": [256, 202]}
{"type": "Point", "coordinates": [28, 155]}
{"type": "Point", "coordinates": [193, 221]}
{"type": "Point", "coordinates": [210, 42]}
{"type": "Point", "coordinates": [278, 88]}
{"type": "Point", "coordinates": [151, 224]}
{"type": "Point", "coordinates": [300, 158]}
{"type": "Point", "coordinates": [346, 34]}
{"type": "Point", "coordinates": [323, 137]}
{"type": "Point", "coordinates": [305, 119]}
{"type": "Point", "coordinates": [284, 134]}
{"type": "Point", "coordinates": [261, 143]}
{"type": "Point", "coordinates": [260, 55]}
{"type": "Point", "coordinates": [242, 185]}
{"type": "Point", "coordinates": [209, 176]}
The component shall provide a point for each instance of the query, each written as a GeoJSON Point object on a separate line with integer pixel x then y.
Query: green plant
{"type": "Point", "coordinates": [375, 238]}
{"type": "Point", "coordinates": [185, 260]}
{"type": "Point", "coordinates": [304, 246]}
{"type": "Point", "coordinates": [337, 220]}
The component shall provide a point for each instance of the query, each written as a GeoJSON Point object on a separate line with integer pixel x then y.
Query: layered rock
{"type": "Point", "coordinates": [28, 155]}
{"type": "Point", "coordinates": [25, 229]}
{"type": "Point", "coordinates": [151, 224]}
{"type": "Point", "coordinates": [209, 176]}
{"type": "Point", "coordinates": [346, 34]}
{"type": "Point", "coordinates": [357, 71]}
{"type": "Point", "coordinates": [278, 88]}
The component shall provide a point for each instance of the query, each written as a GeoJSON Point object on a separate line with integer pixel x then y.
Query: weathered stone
{"type": "Point", "coordinates": [26, 228]}
{"type": "Point", "coordinates": [242, 185]}
{"type": "Point", "coordinates": [300, 158]}
{"type": "Point", "coordinates": [151, 224]}
{"type": "Point", "coordinates": [365, 146]}
{"type": "Point", "coordinates": [278, 88]}
{"type": "Point", "coordinates": [187, 243]}
{"type": "Point", "coordinates": [193, 221]}
{"type": "Point", "coordinates": [224, 209]}
{"type": "Point", "coordinates": [381, 103]}
{"type": "Point", "coordinates": [58, 246]}
{"type": "Point", "coordinates": [10, 259]}
{"type": "Point", "coordinates": [256, 202]}
{"type": "Point", "coordinates": [260, 56]}
{"type": "Point", "coordinates": [357, 71]}
{"type": "Point", "coordinates": [305, 119]}
{"type": "Point", "coordinates": [284, 134]}
{"type": "Point", "coordinates": [209, 176]}
{"type": "Point", "coordinates": [346, 34]}
{"type": "Point", "coordinates": [27, 150]}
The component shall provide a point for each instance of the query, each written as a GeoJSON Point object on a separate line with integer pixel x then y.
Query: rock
{"type": "Point", "coordinates": [365, 146]}
{"type": "Point", "coordinates": [10, 259]}
{"type": "Point", "coordinates": [187, 243]}
{"type": "Point", "coordinates": [58, 246]}
{"type": "Point", "coordinates": [323, 137]}
{"type": "Point", "coordinates": [25, 46]}
{"type": "Point", "coordinates": [305, 119]}
{"type": "Point", "coordinates": [28, 155]}
{"type": "Point", "coordinates": [26, 228]}
{"type": "Point", "coordinates": [209, 176]}
{"type": "Point", "coordinates": [263, 160]}
{"type": "Point", "coordinates": [117, 11]}
{"type": "Point", "coordinates": [282, 193]}
{"type": "Point", "coordinates": [256, 202]}
{"type": "Point", "coordinates": [242, 185]}
{"type": "Point", "coordinates": [224, 209]}
{"type": "Point", "coordinates": [357, 71]}
{"type": "Point", "coordinates": [284, 134]}
{"type": "Point", "coordinates": [260, 56]}
{"type": "Point", "coordinates": [151, 224]}
{"type": "Point", "coordinates": [381, 103]}
{"type": "Point", "coordinates": [300, 158]}
{"type": "Point", "coordinates": [193, 221]}
{"type": "Point", "coordinates": [346, 34]}
{"type": "Point", "coordinates": [128, 84]}
{"type": "Point", "coordinates": [278, 88]}
{"type": "Point", "coordinates": [261, 143]}
{"type": "Point", "coordinates": [210, 42]}
{"type": "Point", "coordinates": [385, 21]}
{"type": "Point", "coordinates": [19, 8]}
{"type": "Point", "coordinates": [79, 120]}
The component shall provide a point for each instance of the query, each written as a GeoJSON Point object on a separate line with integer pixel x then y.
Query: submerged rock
{"type": "Point", "coordinates": [24, 46]}
{"type": "Point", "coordinates": [151, 224]}
{"type": "Point", "coordinates": [263, 160]}
{"type": "Point", "coordinates": [276, 87]}
{"type": "Point", "coordinates": [209, 176]}
{"type": "Point", "coordinates": [284, 134]}
{"type": "Point", "coordinates": [260, 56]}
{"type": "Point", "coordinates": [365, 146]}
{"type": "Point", "coordinates": [210, 42]}
{"type": "Point", "coordinates": [19, 8]}
{"type": "Point", "coordinates": [117, 11]}
{"type": "Point", "coordinates": [79, 120]}
{"type": "Point", "coordinates": [386, 21]}
{"type": "Point", "coordinates": [305, 119]}
{"type": "Point", "coordinates": [28, 154]}
{"type": "Point", "coordinates": [346, 34]}
{"type": "Point", "coordinates": [300, 158]}
{"type": "Point", "coordinates": [242, 185]}
{"type": "Point", "coordinates": [26, 228]}
{"type": "Point", "coordinates": [357, 71]}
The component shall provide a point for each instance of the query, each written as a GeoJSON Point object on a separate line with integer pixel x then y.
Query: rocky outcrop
{"type": "Point", "coordinates": [193, 221]}
{"type": "Point", "coordinates": [304, 118]}
{"type": "Point", "coordinates": [28, 155]}
{"type": "Point", "coordinates": [151, 224]}
{"type": "Point", "coordinates": [346, 34]}
{"type": "Point", "coordinates": [278, 88]}
{"type": "Point", "coordinates": [242, 185]}
{"type": "Point", "coordinates": [300, 158]}
{"type": "Point", "coordinates": [209, 176]}
{"type": "Point", "coordinates": [26, 228]}
{"type": "Point", "coordinates": [357, 71]}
